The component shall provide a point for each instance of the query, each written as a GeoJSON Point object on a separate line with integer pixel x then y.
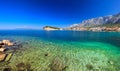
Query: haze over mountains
{"type": "Point", "coordinates": [110, 19]}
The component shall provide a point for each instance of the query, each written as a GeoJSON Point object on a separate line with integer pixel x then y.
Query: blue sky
{"type": "Point", "coordinates": [60, 13]}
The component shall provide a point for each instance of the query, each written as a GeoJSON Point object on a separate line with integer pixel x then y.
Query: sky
{"type": "Point", "coordinates": [60, 13]}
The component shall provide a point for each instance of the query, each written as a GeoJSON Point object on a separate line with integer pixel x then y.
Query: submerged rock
{"type": "Point", "coordinates": [23, 67]}
{"type": "Point", "coordinates": [46, 54]}
{"type": "Point", "coordinates": [57, 65]}
{"type": "Point", "coordinates": [89, 67]}
{"type": "Point", "coordinates": [2, 56]}
{"type": "Point", "coordinates": [8, 56]}
{"type": "Point", "coordinates": [7, 69]}
{"type": "Point", "coordinates": [111, 62]}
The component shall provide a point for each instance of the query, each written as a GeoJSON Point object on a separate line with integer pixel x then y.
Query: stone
{"type": "Point", "coordinates": [8, 56]}
{"type": "Point", "coordinates": [46, 54]}
{"type": "Point", "coordinates": [2, 56]}
{"type": "Point", "coordinates": [2, 49]}
{"type": "Point", "coordinates": [118, 29]}
{"type": "Point", "coordinates": [10, 44]}
{"type": "Point", "coordinates": [111, 62]}
{"type": "Point", "coordinates": [1, 43]}
{"type": "Point", "coordinates": [57, 65]}
{"type": "Point", "coordinates": [7, 69]}
{"type": "Point", "coordinates": [23, 67]}
{"type": "Point", "coordinates": [89, 67]}
{"type": "Point", "coordinates": [5, 41]}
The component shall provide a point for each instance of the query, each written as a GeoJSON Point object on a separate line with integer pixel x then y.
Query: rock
{"type": "Point", "coordinates": [10, 44]}
{"type": "Point", "coordinates": [46, 54]}
{"type": "Point", "coordinates": [1, 43]}
{"type": "Point", "coordinates": [2, 56]}
{"type": "Point", "coordinates": [2, 49]}
{"type": "Point", "coordinates": [8, 56]}
{"type": "Point", "coordinates": [23, 67]}
{"type": "Point", "coordinates": [118, 29]}
{"type": "Point", "coordinates": [111, 62]}
{"type": "Point", "coordinates": [89, 67]}
{"type": "Point", "coordinates": [57, 65]}
{"type": "Point", "coordinates": [7, 69]}
{"type": "Point", "coordinates": [7, 42]}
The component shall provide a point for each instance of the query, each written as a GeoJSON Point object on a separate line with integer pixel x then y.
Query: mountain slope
{"type": "Point", "coordinates": [111, 19]}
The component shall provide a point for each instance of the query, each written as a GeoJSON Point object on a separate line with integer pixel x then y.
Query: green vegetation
{"type": "Point", "coordinates": [51, 27]}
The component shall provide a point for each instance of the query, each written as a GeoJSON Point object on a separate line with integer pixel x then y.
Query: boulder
{"type": "Point", "coordinates": [2, 56]}
{"type": "Point", "coordinates": [10, 44]}
{"type": "Point", "coordinates": [2, 49]}
{"type": "Point", "coordinates": [5, 41]}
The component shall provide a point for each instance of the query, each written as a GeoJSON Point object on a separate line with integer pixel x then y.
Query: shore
{"type": "Point", "coordinates": [116, 29]}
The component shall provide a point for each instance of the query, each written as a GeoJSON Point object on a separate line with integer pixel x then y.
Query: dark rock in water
{"type": "Point", "coordinates": [23, 67]}
{"type": "Point", "coordinates": [46, 54]}
{"type": "Point", "coordinates": [18, 45]}
{"type": "Point", "coordinates": [57, 65]}
{"type": "Point", "coordinates": [111, 62]}
{"type": "Point", "coordinates": [7, 69]}
{"type": "Point", "coordinates": [89, 67]}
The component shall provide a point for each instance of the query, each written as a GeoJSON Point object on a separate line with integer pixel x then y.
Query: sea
{"type": "Point", "coordinates": [63, 50]}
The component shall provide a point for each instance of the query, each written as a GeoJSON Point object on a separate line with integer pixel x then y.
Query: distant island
{"type": "Point", "coordinates": [51, 28]}
{"type": "Point", "coordinates": [106, 23]}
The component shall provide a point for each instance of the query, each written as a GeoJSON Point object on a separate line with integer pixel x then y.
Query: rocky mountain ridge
{"type": "Point", "coordinates": [110, 19]}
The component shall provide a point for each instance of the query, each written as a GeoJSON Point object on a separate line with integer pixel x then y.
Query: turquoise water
{"type": "Point", "coordinates": [65, 50]}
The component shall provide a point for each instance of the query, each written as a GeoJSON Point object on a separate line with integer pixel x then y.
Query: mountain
{"type": "Point", "coordinates": [99, 21]}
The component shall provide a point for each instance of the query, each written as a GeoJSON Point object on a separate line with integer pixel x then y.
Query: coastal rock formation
{"type": "Point", "coordinates": [4, 56]}
{"type": "Point", "coordinates": [7, 42]}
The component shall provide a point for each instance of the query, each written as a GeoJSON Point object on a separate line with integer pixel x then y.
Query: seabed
{"type": "Point", "coordinates": [45, 55]}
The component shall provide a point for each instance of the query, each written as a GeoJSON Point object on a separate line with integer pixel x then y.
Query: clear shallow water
{"type": "Point", "coordinates": [76, 50]}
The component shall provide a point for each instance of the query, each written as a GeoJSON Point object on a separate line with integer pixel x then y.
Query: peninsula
{"type": "Point", "coordinates": [50, 28]}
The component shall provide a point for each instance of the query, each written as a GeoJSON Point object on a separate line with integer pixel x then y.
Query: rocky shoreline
{"type": "Point", "coordinates": [116, 29]}
{"type": "Point", "coordinates": [8, 48]}
{"type": "Point", "coordinates": [4, 46]}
